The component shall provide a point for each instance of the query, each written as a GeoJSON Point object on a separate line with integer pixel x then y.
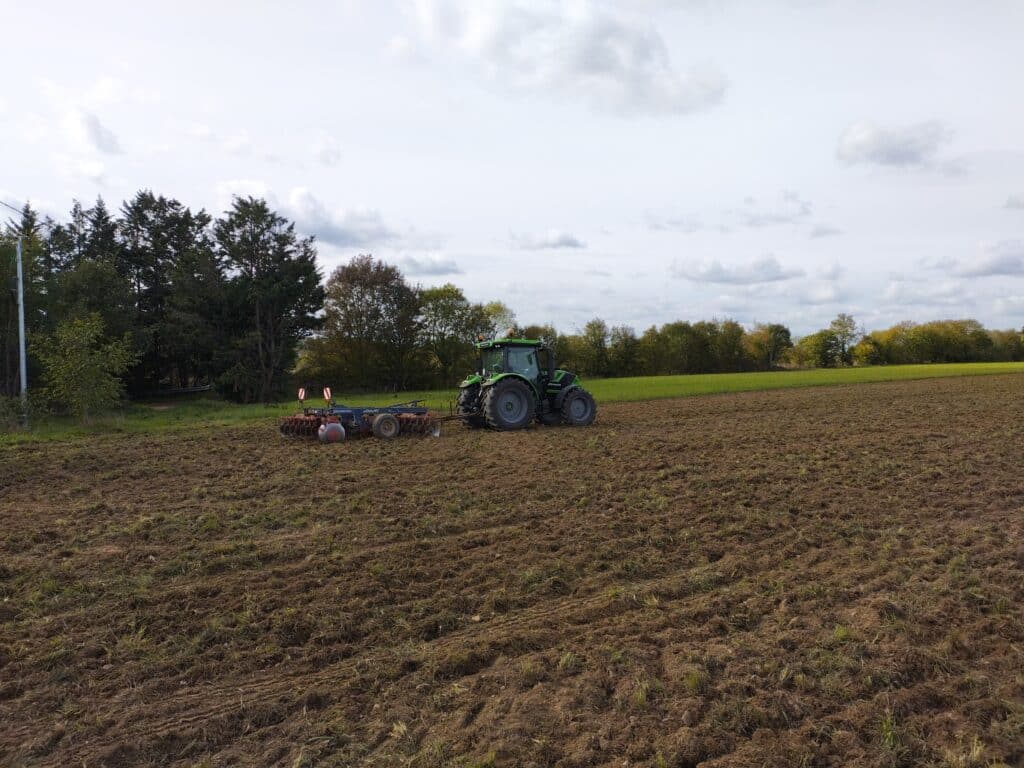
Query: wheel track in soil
{"type": "Point", "coordinates": [230, 699]}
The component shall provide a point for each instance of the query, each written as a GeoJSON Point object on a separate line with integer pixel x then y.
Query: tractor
{"type": "Point", "coordinates": [516, 383]}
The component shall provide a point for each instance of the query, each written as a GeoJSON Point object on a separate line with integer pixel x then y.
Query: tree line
{"type": "Point", "coordinates": [157, 296]}
{"type": "Point", "coordinates": [178, 298]}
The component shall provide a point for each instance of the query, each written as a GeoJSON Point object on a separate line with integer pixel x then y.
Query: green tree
{"type": "Point", "coordinates": [82, 370]}
{"type": "Point", "coordinates": [623, 351]}
{"type": "Point", "coordinates": [372, 328]}
{"type": "Point", "coordinates": [767, 343]}
{"type": "Point", "coordinates": [844, 329]}
{"type": "Point", "coordinates": [274, 295]}
{"type": "Point", "coordinates": [594, 348]}
{"type": "Point", "coordinates": [450, 326]}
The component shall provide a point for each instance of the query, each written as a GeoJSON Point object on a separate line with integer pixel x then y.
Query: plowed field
{"type": "Point", "coordinates": [822, 577]}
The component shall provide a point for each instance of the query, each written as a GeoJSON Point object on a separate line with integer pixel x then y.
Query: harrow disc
{"type": "Point", "coordinates": [300, 426]}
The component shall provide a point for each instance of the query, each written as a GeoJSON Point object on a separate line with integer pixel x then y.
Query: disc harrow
{"type": "Point", "coordinates": [385, 422]}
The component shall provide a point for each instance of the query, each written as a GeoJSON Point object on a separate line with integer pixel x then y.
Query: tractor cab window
{"type": "Point", "coordinates": [492, 361]}
{"type": "Point", "coordinates": [523, 360]}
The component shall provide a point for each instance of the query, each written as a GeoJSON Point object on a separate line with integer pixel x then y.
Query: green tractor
{"type": "Point", "coordinates": [516, 382]}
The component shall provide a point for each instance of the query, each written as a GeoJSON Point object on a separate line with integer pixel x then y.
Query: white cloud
{"type": "Point", "coordinates": [428, 265]}
{"type": "Point", "coordinates": [831, 272]}
{"type": "Point", "coordinates": [325, 150]}
{"type": "Point", "coordinates": [825, 230]}
{"type": "Point", "coordinates": [684, 223]}
{"type": "Point", "coordinates": [907, 293]}
{"type": "Point", "coordinates": [554, 238]}
{"type": "Point", "coordinates": [199, 131]}
{"type": "Point", "coordinates": [763, 270]}
{"type": "Point", "coordinates": [788, 209]}
{"type": "Point", "coordinates": [238, 144]}
{"type": "Point", "coordinates": [226, 191]}
{"type": "Point", "coordinates": [575, 50]}
{"type": "Point", "coordinates": [355, 227]}
{"type": "Point", "coordinates": [1010, 305]}
{"type": "Point", "coordinates": [1003, 258]}
{"type": "Point", "coordinates": [912, 145]}
{"type": "Point", "coordinates": [819, 293]}
{"type": "Point", "coordinates": [1015, 202]}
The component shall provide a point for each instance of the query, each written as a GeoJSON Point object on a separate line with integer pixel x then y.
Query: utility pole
{"type": "Point", "coordinates": [21, 334]}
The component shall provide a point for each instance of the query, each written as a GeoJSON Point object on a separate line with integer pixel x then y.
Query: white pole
{"type": "Point", "coordinates": [21, 334]}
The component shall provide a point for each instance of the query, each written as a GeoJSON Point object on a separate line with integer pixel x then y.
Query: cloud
{"type": "Point", "coordinates": [1015, 203]}
{"type": "Point", "coordinates": [575, 50]}
{"type": "Point", "coordinates": [790, 208]}
{"type": "Point", "coordinates": [1010, 305]}
{"type": "Point", "coordinates": [908, 146]}
{"type": "Point", "coordinates": [86, 131]}
{"type": "Point", "coordinates": [238, 144]}
{"type": "Point", "coordinates": [226, 191]}
{"type": "Point", "coordinates": [344, 228]}
{"type": "Point", "coordinates": [763, 270]}
{"type": "Point", "coordinates": [554, 238]}
{"type": "Point", "coordinates": [821, 293]}
{"type": "Point", "coordinates": [428, 266]}
{"type": "Point", "coordinates": [824, 230]}
{"type": "Point", "coordinates": [906, 293]}
{"type": "Point", "coordinates": [684, 223]}
{"type": "Point", "coordinates": [831, 272]}
{"type": "Point", "coordinates": [325, 150]}
{"type": "Point", "coordinates": [1003, 258]}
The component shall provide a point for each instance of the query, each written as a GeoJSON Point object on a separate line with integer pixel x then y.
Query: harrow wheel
{"type": "Point", "coordinates": [386, 426]}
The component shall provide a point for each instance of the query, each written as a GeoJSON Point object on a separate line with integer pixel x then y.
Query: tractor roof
{"type": "Point", "coordinates": [498, 343]}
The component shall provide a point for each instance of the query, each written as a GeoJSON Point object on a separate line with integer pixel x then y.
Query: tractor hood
{"type": "Point", "coordinates": [469, 381]}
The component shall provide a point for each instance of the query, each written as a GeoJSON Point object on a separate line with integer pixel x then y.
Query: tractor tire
{"type": "Point", "coordinates": [579, 408]}
{"type": "Point", "coordinates": [509, 404]}
{"type": "Point", "coordinates": [469, 403]}
{"type": "Point", "coordinates": [386, 426]}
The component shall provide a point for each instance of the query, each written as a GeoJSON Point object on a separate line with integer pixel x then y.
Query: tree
{"type": "Point", "coordinates": [767, 343]}
{"type": "Point", "coordinates": [818, 350]}
{"type": "Point", "coordinates": [82, 371]}
{"type": "Point", "coordinates": [274, 290]}
{"type": "Point", "coordinates": [844, 328]}
{"type": "Point", "coordinates": [623, 351]}
{"type": "Point", "coordinates": [372, 327]}
{"type": "Point", "coordinates": [595, 348]}
{"type": "Point", "coordinates": [450, 325]}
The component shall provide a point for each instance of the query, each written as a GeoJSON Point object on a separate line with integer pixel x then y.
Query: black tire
{"type": "Point", "coordinates": [579, 408]}
{"type": "Point", "coordinates": [469, 403]}
{"type": "Point", "coordinates": [386, 426]}
{"type": "Point", "coordinates": [509, 404]}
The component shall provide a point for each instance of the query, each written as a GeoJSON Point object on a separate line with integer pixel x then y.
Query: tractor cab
{"type": "Point", "coordinates": [516, 381]}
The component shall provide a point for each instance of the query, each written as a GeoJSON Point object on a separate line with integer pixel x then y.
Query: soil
{"type": "Point", "coordinates": [819, 577]}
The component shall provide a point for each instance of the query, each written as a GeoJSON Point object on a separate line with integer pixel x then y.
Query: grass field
{"type": "Point", "coordinates": [825, 577]}
{"type": "Point", "coordinates": [176, 414]}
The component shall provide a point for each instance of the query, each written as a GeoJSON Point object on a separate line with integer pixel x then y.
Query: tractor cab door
{"type": "Point", "coordinates": [523, 360]}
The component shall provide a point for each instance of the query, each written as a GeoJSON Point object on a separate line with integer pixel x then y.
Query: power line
{"type": "Point", "coordinates": [8, 205]}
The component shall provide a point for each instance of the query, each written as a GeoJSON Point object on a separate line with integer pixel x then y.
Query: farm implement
{"type": "Point", "coordinates": [333, 423]}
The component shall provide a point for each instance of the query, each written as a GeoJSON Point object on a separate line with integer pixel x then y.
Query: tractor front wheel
{"type": "Point", "coordinates": [508, 405]}
{"type": "Point", "coordinates": [579, 408]}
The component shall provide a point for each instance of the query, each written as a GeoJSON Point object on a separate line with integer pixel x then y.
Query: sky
{"type": "Point", "coordinates": [642, 162]}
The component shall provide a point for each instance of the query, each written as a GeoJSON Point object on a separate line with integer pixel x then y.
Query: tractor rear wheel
{"type": "Point", "coordinates": [469, 403]}
{"type": "Point", "coordinates": [508, 404]}
{"type": "Point", "coordinates": [579, 408]}
{"type": "Point", "coordinates": [386, 426]}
